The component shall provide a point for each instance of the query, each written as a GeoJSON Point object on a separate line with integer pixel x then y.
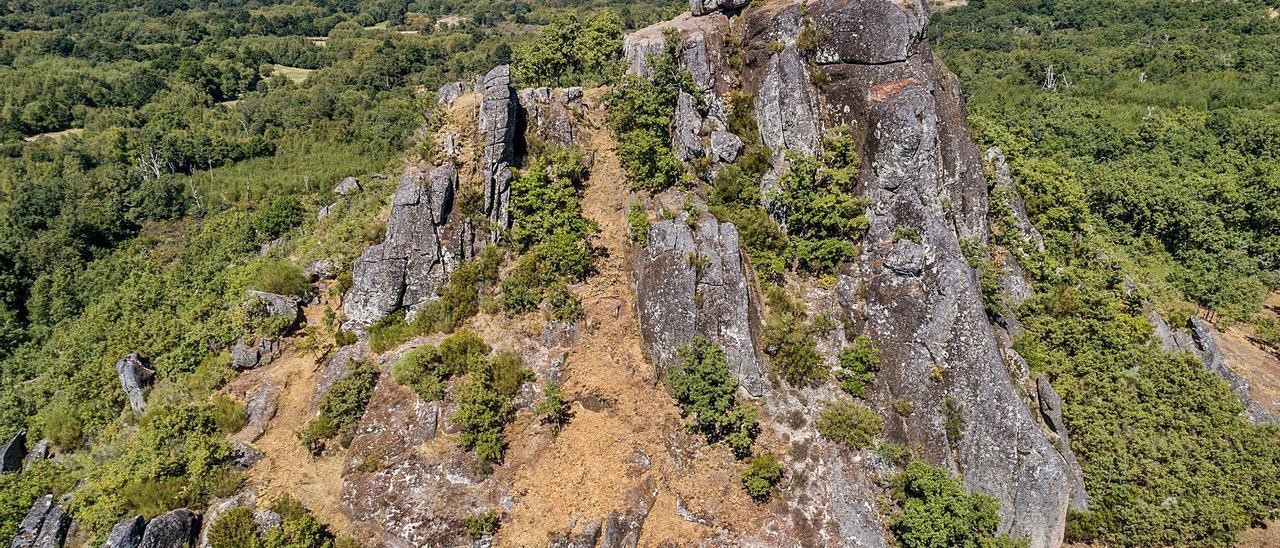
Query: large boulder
{"type": "Point", "coordinates": [497, 127]}
{"type": "Point", "coordinates": [336, 367]}
{"type": "Point", "coordinates": [134, 376]}
{"type": "Point", "coordinates": [255, 352]}
{"type": "Point", "coordinates": [404, 271]}
{"type": "Point", "coordinates": [347, 186]}
{"type": "Point", "coordinates": [127, 533]}
{"type": "Point", "coordinates": [175, 529]}
{"type": "Point", "coordinates": [275, 305]}
{"type": "Point", "coordinates": [1216, 362]}
{"type": "Point", "coordinates": [692, 281]}
{"type": "Point", "coordinates": [868, 32]}
{"type": "Point", "coordinates": [13, 453]}
{"type": "Point", "coordinates": [259, 409]}
{"type": "Point", "coordinates": [29, 527]}
{"type": "Point", "coordinates": [217, 509]}
{"type": "Point", "coordinates": [53, 532]}
{"type": "Point", "coordinates": [705, 7]}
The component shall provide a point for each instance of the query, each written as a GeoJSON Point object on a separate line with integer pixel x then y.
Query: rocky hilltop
{"type": "Point", "coordinates": [808, 67]}
{"type": "Point", "coordinates": [625, 469]}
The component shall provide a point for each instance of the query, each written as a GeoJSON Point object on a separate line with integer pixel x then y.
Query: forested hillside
{"type": "Point", "coordinates": [1143, 137]}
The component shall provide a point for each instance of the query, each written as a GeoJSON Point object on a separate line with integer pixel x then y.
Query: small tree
{"type": "Point", "coordinates": [852, 424]}
{"type": "Point", "coordinates": [761, 475]}
{"type": "Point", "coordinates": [705, 389]}
{"type": "Point", "coordinates": [553, 408]}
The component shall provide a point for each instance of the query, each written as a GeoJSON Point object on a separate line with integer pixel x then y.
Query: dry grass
{"type": "Point", "coordinates": [54, 135]}
{"type": "Point", "coordinates": [294, 74]}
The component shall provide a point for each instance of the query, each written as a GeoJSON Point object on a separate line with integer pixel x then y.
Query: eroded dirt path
{"type": "Point", "coordinates": [287, 467]}
{"type": "Point", "coordinates": [626, 432]}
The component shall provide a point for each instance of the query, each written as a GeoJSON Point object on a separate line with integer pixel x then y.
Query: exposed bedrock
{"type": "Point", "coordinates": [692, 281]}
{"type": "Point", "coordinates": [421, 247]}
{"type": "Point", "coordinates": [499, 114]}
{"type": "Point", "coordinates": [548, 114]}
{"type": "Point", "coordinates": [1206, 346]}
{"type": "Point", "coordinates": [920, 302]}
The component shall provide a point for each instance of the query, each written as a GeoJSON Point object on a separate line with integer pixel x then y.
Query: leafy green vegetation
{"type": "Point", "coordinates": [859, 364]}
{"type": "Point", "coordinates": [483, 525]}
{"type": "Point", "coordinates": [790, 341]}
{"type": "Point", "coordinates": [573, 49]}
{"type": "Point", "coordinates": [640, 114]}
{"type": "Point", "coordinates": [936, 512]}
{"type": "Point", "coordinates": [762, 474]}
{"type": "Point", "coordinates": [341, 407]}
{"type": "Point", "coordinates": [824, 213]}
{"type": "Point", "coordinates": [705, 389]}
{"type": "Point", "coordinates": [1146, 159]}
{"type": "Point", "coordinates": [852, 424]}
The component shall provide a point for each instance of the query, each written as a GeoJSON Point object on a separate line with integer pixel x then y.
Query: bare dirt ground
{"type": "Point", "coordinates": [287, 467]}
{"type": "Point", "coordinates": [590, 466]}
{"type": "Point", "coordinates": [1250, 357]}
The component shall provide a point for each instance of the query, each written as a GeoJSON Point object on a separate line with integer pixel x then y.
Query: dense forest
{"type": "Point", "coordinates": [1142, 135]}
{"type": "Point", "coordinates": [159, 159]}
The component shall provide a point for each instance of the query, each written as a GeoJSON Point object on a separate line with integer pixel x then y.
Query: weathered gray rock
{"type": "Point", "coordinates": [686, 125]}
{"type": "Point", "coordinates": [29, 527]}
{"type": "Point", "coordinates": [622, 526]}
{"type": "Point", "coordinates": [700, 50]}
{"type": "Point", "coordinates": [1051, 411]}
{"type": "Point", "coordinates": [244, 456]}
{"type": "Point", "coordinates": [13, 453]}
{"type": "Point", "coordinates": [920, 302]}
{"type": "Point", "coordinates": [134, 376]}
{"type": "Point", "coordinates": [448, 93]}
{"type": "Point", "coordinates": [868, 32]}
{"type": "Point", "coordinates": [255, 352]}
{"type": "Point", "coordinates": [497, 126]}
{"type": "Point", "coordinates": [1004, 189]}
{"type": "Point", "coordinates": [691, 282]}
{"type": "Point", "coordinates": [704, 7]}
{"type": "Point", "coordinates": [175, 529]}
{"type": "Point", "coordinates": [53, 532]}
{"type": "Point", "coordinates": [259, 409]}
{"type": "Point", "coordinates": [321, 269]}
{"type": "Point", "coordinates": [405, 270]}
{"type": "Point", "coordinates": [347, 186]}
{"type": "Point", "coordinates": [325, 211]}
{"type": "Point", "coordinates": [583, 534]}
{"type": "Point", "coordinates": [267, 521]}
{"type": "Point", "coordinates": [127, 533]}
{"type": "Point", "coordinates": [786, 106]}
{"type": "Point", "coordinates": [38, 452]}
{"type": "Point", "coordinates": [277, 306]}
{"type": "Point", "coordinates": [548, 115]}
{"type": "Point", "coordinates": [725, 147]}
{"type": "Point", "coordinates": [1171, 340]}
{"type": "Point", "coordinates": [1216, 362]}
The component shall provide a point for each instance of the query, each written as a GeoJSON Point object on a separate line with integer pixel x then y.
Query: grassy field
{"type": "Point", "coordinates": [297, 75]}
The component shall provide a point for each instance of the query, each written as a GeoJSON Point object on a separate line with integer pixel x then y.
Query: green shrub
{"type": "Point", "coordinates": [762, 474]}
{"type": "Point", "coordinates": [638, 222]}
{"type": "Point", "coordinates": [705, 389]}
{"type": "Point", "coordinates": [790, 342]}
{"type": "Point", "coordinates": [228, 414]}
{"type": "Point", "coordinates": [903, 407]}
{"type": "Point", "coordinates": [344, 338]}
{"type": "Point", "coordinates": [281, 277]}
{"type": "Point", "coordinates": [852, 424]}
{"type": "Point", "coordinates": [483, 525]}
{"type": "Point", "coordinates": [823, 214]}
{"type": "Point", "coordinates": [421, 369]}
{"type": "Point", "coordinates": [504, 373]}
{"type": "Point", "coordinates": [463, 351]}
{"type": "Point", "coordinates": [341, 407]}
{"type": "Point", "coordinates": [482, 415]}
{"type": "Point", "coordinates": [894, 452]}
{"type": "Point", "coordinates": [640, 114]}
{"type": "Point", "coordinates": [565, 305]}
{"type": "Point", "coordinates": [553, 408]}
{"type": "Point", "coordinates": [859, 364]}
{"type": "Point", "coordinates": [234, 528]}
{"type": "Point", "coordinates": [936, 512]}
{"type": "Point", "coordinates": [572, 49]}
{"type": "Point", "coordinates": [283, 214]}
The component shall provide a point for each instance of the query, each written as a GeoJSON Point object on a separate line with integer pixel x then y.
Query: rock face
{"type": "Point", "coordinates": [548, 114]}
{"type": "Point", "coordinates": [127, 533]}
{"type": "Point", "coordinates": [497, 126]}
{"type": "Point", "coordinates": [29, 527]}
{"type": "Point", "coordinates": [216, 510]}
{"type": "Point", "coordinates": [13, 453]}
{"type": "Point", "coordinates": [347, 186]}
{"type": "Point", "coordinates": [255, 352]}
{"type": "Point", "coordinates": [1215, 362]}
{"type": "Point", "coordinates": [704, 7]}
{"type": "Point", "coordinates": [53, 532]}
{"type": "Point", "coordinates": [337, 367]}
{"type": "Point", "coordinates": [134, 377]}
{"type": "Point", "coordinates": [259, 409]}
{"type": "Point", "coordinates": [1171, 340]}
{"type": "Point", "coordinates": [278, 306]}
{"type": "Point", "coordinates": [175, 529]}
{"type": "Point", "coordinates": [918, 302]}
{"type": "Point", "coordinates": [1051, 410]}
{"type": "Point", "coordinates": [692, 281]}
{"type": "Point", "coordinates": [404, 271]}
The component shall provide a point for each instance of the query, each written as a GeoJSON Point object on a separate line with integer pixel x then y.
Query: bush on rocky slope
{"type": "Point", "coordinates": [936, 512]}
{"type": "Point", "coordinates": [706, 392]}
